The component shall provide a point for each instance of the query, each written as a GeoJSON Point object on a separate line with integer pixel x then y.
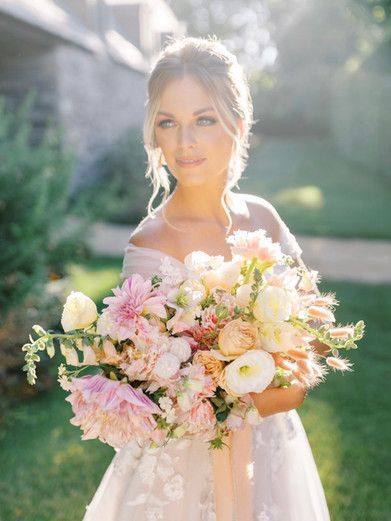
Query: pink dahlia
{"type": "Point", "coordinates": [111, 411]}
{"type": "Point", "coordinates": [124, 315]}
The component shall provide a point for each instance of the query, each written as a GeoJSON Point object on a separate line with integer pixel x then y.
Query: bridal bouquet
{"type": "Point", "coordinates": [178, 355]}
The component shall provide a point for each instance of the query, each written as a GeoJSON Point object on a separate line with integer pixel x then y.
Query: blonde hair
{"type": "Point", "coordinates": [218, 71]}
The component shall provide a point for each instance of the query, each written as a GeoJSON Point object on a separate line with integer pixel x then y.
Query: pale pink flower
{"type": "Point", "coordinates": [339, 364]}
{"type": "Point", "coordinates": [139, 365]}
{"type": "Point", "coordinates": [250, 244]}
{"type": "Point", "coordinates": [123, 315]}
{"type": "Point", "coordinates": [111, 411]}
{"type": "Point", "coordinates": [201, 417]}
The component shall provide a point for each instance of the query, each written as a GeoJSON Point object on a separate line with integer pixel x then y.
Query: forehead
{"type": "Point", "coordinates": [184, 95]}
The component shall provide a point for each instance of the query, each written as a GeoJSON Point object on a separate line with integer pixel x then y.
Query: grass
{"type": "Point", "coordinates": [318, 192]}
{"type": "Point", "coordinates": [49, 474]}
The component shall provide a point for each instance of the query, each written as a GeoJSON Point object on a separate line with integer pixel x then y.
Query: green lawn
{"type": "Point", "coordinates": [49, 474]}
{"type": "Point", "coordinates": [317, 191]}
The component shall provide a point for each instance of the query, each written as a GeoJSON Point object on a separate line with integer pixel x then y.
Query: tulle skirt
{"type": "Point", "coordinates": [175, 482]}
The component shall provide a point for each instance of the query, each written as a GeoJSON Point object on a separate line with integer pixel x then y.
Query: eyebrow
{"type": "Point", "coordinates": [194, 113]}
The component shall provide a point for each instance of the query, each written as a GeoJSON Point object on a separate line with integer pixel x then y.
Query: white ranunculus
{"type": "Point", "coordinates": [166, 366]}
{"type": "Point", "coordinates": [273, 304]}
{"type": "Point", "coordinates": [251, 372]}
{"type": "Point", "coordinates": [180, 347]}
{"type": "Point", "coordinates": [277, 336]}
{"type": "Point", "coordinates": [242, 297]}
{"type": "Point", "coordinates": [79, 312]}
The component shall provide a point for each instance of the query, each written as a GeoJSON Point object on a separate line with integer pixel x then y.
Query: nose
{"type": "Point", "coordinates": [186, 136]}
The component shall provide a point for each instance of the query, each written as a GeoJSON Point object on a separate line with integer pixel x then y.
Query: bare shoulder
{"type": "Point", "coordinates": [154, 233]}
{"type": "Point", "coordinates": [147, 233]}
{"type": "Point", "coordinates": [263, 214]}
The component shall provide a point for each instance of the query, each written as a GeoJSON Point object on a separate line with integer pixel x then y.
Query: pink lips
{"type": "Point", "coordinates": [189, 162]}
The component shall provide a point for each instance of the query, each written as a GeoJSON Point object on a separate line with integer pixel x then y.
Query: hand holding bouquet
{"type": "Point", "coordinates": [177, 355]}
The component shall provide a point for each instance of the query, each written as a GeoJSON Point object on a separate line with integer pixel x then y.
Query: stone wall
{"type": "Point", "coordinates": [98, 100]}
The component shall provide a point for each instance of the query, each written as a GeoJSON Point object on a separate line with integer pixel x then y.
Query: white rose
{"type": "Point", "coordinates": [166, 366]}
{"type": "Point", "coordinates": [277, 336]}
{"type": "Point", "coordinates": [79, 312]}
{"type": "Point", "coordinates": [251, 372]}
{"type": "Point", "coordinates": [242, 297]}
{"type": "Point", "coordinates": [273, 304]}
{"type": "Point", "coordinates": [180, 347]}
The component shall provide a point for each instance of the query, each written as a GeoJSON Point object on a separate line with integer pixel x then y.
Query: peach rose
{"type": "Point", "coordinates": [213, 367]}
{"type": "Point", "coordinates": [237, 337]}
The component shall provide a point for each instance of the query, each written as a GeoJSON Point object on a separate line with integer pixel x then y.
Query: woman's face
{"type": "Point", "coordinates": [188, 129]}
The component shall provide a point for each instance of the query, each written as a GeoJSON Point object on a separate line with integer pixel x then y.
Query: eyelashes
{"type": "Point", "coordinates": [211, 121]}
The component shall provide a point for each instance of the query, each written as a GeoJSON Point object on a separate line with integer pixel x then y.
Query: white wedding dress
{"type": "Point", "coordinates": [176, 482]}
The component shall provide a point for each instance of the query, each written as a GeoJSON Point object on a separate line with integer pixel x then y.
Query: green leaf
{"type": "Point", "coordinates": [50, 348]}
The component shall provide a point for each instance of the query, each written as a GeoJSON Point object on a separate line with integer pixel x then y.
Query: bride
{"type": "Point", "coordinates": [197, 125]}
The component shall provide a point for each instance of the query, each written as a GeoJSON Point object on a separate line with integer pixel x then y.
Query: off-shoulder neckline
{"type": "Point", "coordinates": [153, 250]}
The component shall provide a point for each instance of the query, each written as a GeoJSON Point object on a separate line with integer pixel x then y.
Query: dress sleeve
{"type": "Point", "coordinates": [289, 244]}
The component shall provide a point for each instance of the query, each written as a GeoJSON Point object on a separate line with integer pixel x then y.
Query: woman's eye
{"type": "Point", "coordinates": [165, 123]}
{"type": "Point", "coordinates": [210, 120]}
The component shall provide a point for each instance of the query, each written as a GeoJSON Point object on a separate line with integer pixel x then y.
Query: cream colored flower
{"type": "Point", "coordinates": [200, 261]}
{"type": "Point", "coordinates": [273, 304]}
{"type": "Point", "coordinates": [278, 336]}
{"type": "Point", "coordinates": [79, 312]}
{"type": "Point", "coordinates": [242, 297]}
{"type": "Point", "coordinates": [237, 337]}
{"type": "Point", "coordinates": [89, 357]}
{"type": "Point", "coordinates": [166, 366]}
{"type": "Point", "coordinates": [251, 372]}
{"type": "Point", "coordinates": [180, 347]}
{"type": "Point", "coordinates": [223, 277]}
{"type": "Point", "coordinates": [213, 367]}
{"type": "Point", "coordinates": [70, 355]}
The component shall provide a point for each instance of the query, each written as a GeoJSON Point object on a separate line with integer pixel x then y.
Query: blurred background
{"type": "Point", "coordinates": [72, 164]}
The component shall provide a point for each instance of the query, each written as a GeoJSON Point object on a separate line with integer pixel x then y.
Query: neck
{"type": "Point", "coordinates": [190, 204]}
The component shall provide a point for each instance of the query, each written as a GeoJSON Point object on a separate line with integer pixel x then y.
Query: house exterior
{"type": "Point", "coordinates": [87, 61]}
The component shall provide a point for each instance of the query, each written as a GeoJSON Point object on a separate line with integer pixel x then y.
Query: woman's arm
{"type": "Point", "coordinates": [279, 399]}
